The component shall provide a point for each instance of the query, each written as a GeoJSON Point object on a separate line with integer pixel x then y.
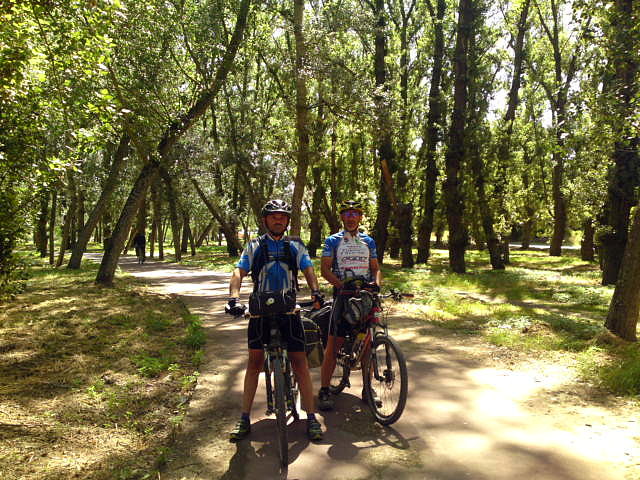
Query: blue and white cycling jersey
{"type": "Point", "coordinates": [350, 253]}
{"type": "Point", "coordinates": [275, 275]}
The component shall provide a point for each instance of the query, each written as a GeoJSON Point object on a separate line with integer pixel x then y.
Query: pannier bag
{"type": "Point", "coordinates": [322, 317]}
{"type": "Point", "coordinates": [313, 347]}
{"type": "Point", "coordinates": [272, 302]}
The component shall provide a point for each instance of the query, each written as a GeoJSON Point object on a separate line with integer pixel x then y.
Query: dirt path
{"type": "Point", "coordinates": [471, 414]}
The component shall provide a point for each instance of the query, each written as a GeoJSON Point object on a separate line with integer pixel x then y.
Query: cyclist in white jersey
{"type": "Point", "coordinates": [348, 250]}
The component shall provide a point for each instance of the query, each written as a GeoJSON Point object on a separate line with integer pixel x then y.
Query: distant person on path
{"type": "Point", "coordinates": [139, 243]}
{"type": "Point", "coordinates": [348, 250]}
{"type": "Point", "coordinates": [274, 260]}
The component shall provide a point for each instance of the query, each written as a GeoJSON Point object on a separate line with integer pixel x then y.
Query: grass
{"type": "Point", "coordinates": [538, 304]}
{"type": "Point", "coordinates": [92, 379]}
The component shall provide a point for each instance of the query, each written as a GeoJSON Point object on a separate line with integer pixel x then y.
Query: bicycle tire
{"type": "Point", "coordinates": [383, 375]}
{"type": "Point", "coordinates": [292, 392]}
{"type": "Point", "coordinates": [339, 381]}
{"type": "Point", "coordinates": [281, 411]}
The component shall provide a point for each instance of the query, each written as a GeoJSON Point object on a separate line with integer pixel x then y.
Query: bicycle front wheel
{"type": "Point", "coordinates": [281, 411]}
{"type": "Point", "coordinates": [386, 384]}
{"type": "Point", "coordinates": [340, 378]}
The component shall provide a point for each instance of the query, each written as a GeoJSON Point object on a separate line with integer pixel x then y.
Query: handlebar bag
{"type": "Point", "coordinates": [272, 302]}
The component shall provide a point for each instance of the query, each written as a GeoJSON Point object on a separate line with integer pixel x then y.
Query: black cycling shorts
{"type": "Point", "coordinates": [338, 326]}
{"type": "Point", "coordinates": [291, 329]}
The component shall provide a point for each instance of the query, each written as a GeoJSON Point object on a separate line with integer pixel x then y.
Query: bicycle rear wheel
{"type": "Point", "coordinates": [281, 411]}
{"type": "Point", "coordinates": [386, 385]}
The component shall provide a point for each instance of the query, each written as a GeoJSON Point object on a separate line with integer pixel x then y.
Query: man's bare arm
{"type": "Point", "coordinates": [311, 278]}
{"type": "Point", "coordinates": [236, 281]}
{"type": "Point", "coordinates": [327, 273]}
{"type": "Point", "coordinates": [376, 273]}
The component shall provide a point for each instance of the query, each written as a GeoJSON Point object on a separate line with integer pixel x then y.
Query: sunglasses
{"type": "Point", "coordinates": [352, 214]}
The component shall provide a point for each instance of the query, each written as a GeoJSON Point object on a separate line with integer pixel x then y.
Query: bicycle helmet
{"type": "Point", "coordinates": [351, 205]}
{"type": "Point", "coordinates": [276, 206]}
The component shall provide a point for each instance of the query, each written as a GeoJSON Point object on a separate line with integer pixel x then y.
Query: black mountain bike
{"type": "Point", "coordinates": [282, 388]}
{"type": "Point", "coordinates": [368, 345]}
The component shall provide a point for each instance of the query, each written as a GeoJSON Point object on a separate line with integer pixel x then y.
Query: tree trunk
{"type": "Point", "coordinates": [440, 227]}
{"type": "Point", "coordinates": [453, 197]}
{"type": "Point", "coordinates": [505, 250]}
{"type": "Point", "coordinates": [559, 201]}
{"type": "Point", "coordinates": [41, 230]}
{"type": "Point", "coordinates": [110, 184]}
{"type": "Point", "coordinates": [172, 202]}
{"type": "Point", "coordinates": [406, 234]}
{"type": "Point", "coordinates": [203, 236]}
{"type": "Point", "coordinates": [529, 223]}
{"type": "Point", "coordinates": [386, 154]}
{"type": "Point", "coordinates": [484, 210]}
{"type": "Point", "coordinates": [228, 228]}
{"type": "Point", "coordinates": [136, 197]}
{"type": "Point", "coordinates": [68, 218]}
{"type": "Point", "coordinates": [315, 225]}
{"type": "Point", "coordinates": [66, 229]}
{"type": "Point", "coordinates": [586, 245]}
{"type": "Point", "coordinates": [527, 234]}
{"type": "Point", "coordinates": [302, 127]}
{"type": "Point", "coordinates": [622, 318]}
{"type": "Point", "coordinates": [504, 149]}
{"type": "Point", "coordinates": [192, 243]}
{"type": "Point", "coordinates": [624, 175]}
{"type": "Point", "coordinates": [557, 95]}
{"type": "Point", "coordinates": [52, 225]}
{"type": "Point", "coordinates": [155, 221]}
{"type": "Point", "coordinates": [394, 241]}
{"type": "Point", "coordinates": [80, 216]}
{"type": "Point", "coordinates": [186, 229]}
{"type": "Point", "coordinates": [431, 137]}
{"type": "Point", "coordinates": [73, 212]}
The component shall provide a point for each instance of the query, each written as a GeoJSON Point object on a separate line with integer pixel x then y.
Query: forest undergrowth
{"type": "Point", "coordinates": [93, 381]}
{"type": "Point", "coordinates": [539, 305]}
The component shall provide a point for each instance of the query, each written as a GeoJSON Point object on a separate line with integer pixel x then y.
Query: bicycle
{"type": "Point", "coordinates": [386, 384]}
{"type": "Point", "coordinates": [282, 390]}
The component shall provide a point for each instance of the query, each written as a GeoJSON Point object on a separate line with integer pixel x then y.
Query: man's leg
{"type": "Point", "coordinates": [255, 364]}
{"type": "Point", "coordinates": [303, 376]}
{"type": "Point", "coordinates": [367, 368]}
{"type": "Point", "coordinates": [329, 362]}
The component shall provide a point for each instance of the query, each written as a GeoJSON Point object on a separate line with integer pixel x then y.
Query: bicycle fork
{"type": "Point", "coordinates": [288, 375]}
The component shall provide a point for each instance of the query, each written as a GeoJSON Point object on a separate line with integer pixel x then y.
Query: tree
{"type": "Point", "coordinates": [176, 129]}
{"type": "Point", "coordinates": [432, 134]}
{"type": "Point", "coordinates": [557, 90]}
{"type": "Point", "coordinates": [458, 237]}
{"type": "Point", "coordinates": [624, 310]}
{"type": "Point", "coordinates": [302, 127]}
{"type": "Point", "coordinates": [621, 97]}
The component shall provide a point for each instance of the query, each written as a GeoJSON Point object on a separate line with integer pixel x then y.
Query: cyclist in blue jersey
{"type": "Point", "coordinates": [347, 251]}
{"type": "Point", "coordinates": [274, 260]}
